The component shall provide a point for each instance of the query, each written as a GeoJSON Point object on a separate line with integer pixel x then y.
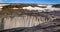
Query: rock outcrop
{"type": "Point", "coordinates": [13, 16]}
{"type": "Point", "coordinates": [56, 6]}
{"type": "Point", "coordinates": [53, 26]}
{"type": "Point", "coordinates": [23, 21]}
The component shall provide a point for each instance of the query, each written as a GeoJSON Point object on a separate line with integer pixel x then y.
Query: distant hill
{"type": "Point", "coordinates": [27, 8]}
{"type": "Point", "coordinates": [56, 5]}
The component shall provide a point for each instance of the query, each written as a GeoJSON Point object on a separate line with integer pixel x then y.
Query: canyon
{"type": "Point", "coordinates": [26, 15]}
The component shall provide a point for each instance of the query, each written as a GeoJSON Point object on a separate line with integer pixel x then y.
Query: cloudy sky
{"type": "Point", "coordinates": [32, 1]}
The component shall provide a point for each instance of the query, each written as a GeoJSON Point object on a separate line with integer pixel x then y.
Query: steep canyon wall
{"type": "Point", "coordinates": [22, 21]}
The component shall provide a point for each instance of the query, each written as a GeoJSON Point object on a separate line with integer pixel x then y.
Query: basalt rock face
{"type": "Point", "coordinates": [53, 26]}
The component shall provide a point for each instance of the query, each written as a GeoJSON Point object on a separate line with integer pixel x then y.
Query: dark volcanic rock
{"type": "Point", "coordinates": [56, 5]}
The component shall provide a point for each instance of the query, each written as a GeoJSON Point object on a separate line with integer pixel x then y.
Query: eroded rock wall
{"type": "Point", "coordinates": [23, 21]}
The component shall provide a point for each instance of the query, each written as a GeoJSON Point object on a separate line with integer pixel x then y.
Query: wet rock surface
{"type": "Point", "coordinates": [52, 26]}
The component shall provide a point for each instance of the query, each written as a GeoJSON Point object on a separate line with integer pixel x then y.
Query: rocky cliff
{"type": "Point", "coordinates": [13, 16]}
{"type": "Point", "coordinates": [52, 26]}
{"type": "Point", "coordinates": [22, 21]}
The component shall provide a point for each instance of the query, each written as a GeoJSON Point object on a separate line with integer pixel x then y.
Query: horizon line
{"type": "Point", "coordinates": [26, 3]}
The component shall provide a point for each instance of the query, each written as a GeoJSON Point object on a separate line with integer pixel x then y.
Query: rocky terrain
{"type": "Point", "coordinates": [8, 9]}
{"type": "Point", "coordinates": [53, 26]}
{"type": "Point", "coordinates": [13, 16]}
{"type": "Point", "coordinates": [56, 5]}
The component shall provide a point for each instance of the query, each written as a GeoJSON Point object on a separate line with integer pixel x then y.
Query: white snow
{"type": "Point", "coordinates": [42, 5]}
{"type": "Point", "coordinates": [1, 7]}
{"type": "Point", "coordinates": [49, 8]}
{"type": "Point", "coordinates": [3, 4]}
{"type": "Point", "coordinates": [32, 8]}
{"type": "Point", "coordinates": [15, 8]}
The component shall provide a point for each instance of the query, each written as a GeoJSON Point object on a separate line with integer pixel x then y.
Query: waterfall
{"type": "Point", "coordinates": [23, 21]}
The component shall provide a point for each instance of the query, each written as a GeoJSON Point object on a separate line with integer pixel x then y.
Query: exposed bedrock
{"type": "Point", "coordinates": [53, 26]}
{"type": "Point", "coordinates": [22, 21]}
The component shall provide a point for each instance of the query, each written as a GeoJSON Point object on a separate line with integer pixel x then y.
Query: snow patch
{"type": "Point", "coordinates": [3, 4]}
{"type": "Point", "coordinates": [15, 8]}
{"type": "Point", "coordinates": [49, 8]}
{"type": "Point", "coordinates": [32, 8]}
{"type": "Point", "coordinates": [42, 5]}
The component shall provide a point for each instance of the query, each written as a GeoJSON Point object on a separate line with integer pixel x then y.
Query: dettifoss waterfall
{"type": "Point", "coordinates": [22, 21]}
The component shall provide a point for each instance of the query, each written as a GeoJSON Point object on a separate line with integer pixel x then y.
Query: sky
{"type": "Point", "coordinates": [32, 1]}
